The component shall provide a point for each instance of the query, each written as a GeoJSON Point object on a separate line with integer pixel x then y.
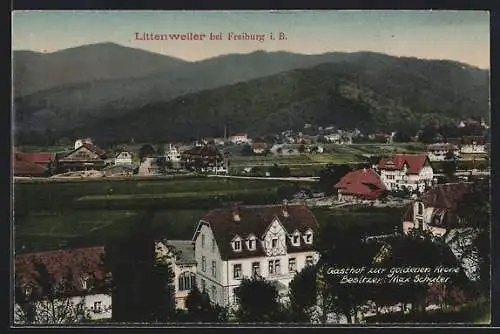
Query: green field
{"type": "Point", "coordinates": [50, 215]}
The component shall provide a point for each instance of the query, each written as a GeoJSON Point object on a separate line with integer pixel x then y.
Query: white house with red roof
{"type": "Point", "coordinates": [412, 171]}
{"type": "Point", "coordinates": [273, 242]}
{"type": "Point", "coordinates": [361, 184]}
{"type": "Point", "coordinates": [239, 138]}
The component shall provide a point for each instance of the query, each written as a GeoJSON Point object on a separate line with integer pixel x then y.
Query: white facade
{"type": "Point", "coordinates": [173, 154]}
{"type": "Point", "coordinates": [97, 305]}
{"type": "Point", "coordinates": [80, 142]}
{"type": "Point", "coordinates": [220, 277]}
{"type": "Point", "coordinates": [124, 158]}
{"type": "Point", "coordinates": [240, 138]}
{"type": "Point", "coordinates": [473, 148]}
{"type": "Point", "coordinates": [398, 178]}
{"type": "Point", "coordinates": [439, 152]}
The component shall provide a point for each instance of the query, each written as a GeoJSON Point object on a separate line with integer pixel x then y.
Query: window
{"type": "Point", "coordinates": [202, 241]}
{"type": "Point", "coordinates": [214, 292]}
{"type": "Point", "coordinates": [274, 267]}
{"type": "Point", "coordinates": [256, 269]}
{"type": "Point", "coordinates": [203, 285]}
{"type": "Point", "coordinates": [309, 260]}
{"type": "Point", "coordinates": [251, 244]}
{"type": "Point", "coordinates": [308, 237]}
{"type": "Point", "coordinates": [274, 243]}
{"type": "Point", "coordinates": [97, 308]}
{"type": "Point", "coordinates": [213, 245]}
{"type": "Point", "coordinates": [292, 265]}
{"type": "Point", "coordinates": [237, 245]}
{"type": "Point", "coordinates": [296, 239]}
{"type": "Point", "coordinates": [203, 264]}
{"type": "Point", "coordinates": [186, 281]}
{"type": "Point", "coordinates": [237, 271]}
{"type": "Point", "coordinates": [419, 223]}
{"type": "Point", "coordinates": [235, 296]}
{"type": "Point", "coordinates": [214, 269]}
{"type": "Point", "coordinates": [420, 209]}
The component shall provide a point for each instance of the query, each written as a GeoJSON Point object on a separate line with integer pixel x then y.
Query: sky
{"type": "Point", "coordinates": [456, 35]}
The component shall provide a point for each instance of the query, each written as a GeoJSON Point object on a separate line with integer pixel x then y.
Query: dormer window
{"type": "Point", "coordinates": [296, 238]}
{"type": "Point", "coordinates": [237, 244]}
{"type": "Point", "coordinates": [251, 243]}
{"type": "Point", "coordinates": [308, 237]}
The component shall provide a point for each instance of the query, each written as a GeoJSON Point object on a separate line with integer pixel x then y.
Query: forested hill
{"type": "Point", "coordinates": [373, 93]}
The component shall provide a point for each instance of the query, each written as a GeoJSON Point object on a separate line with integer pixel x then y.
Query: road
{"type": "Point", "coordinates": [301, 179]}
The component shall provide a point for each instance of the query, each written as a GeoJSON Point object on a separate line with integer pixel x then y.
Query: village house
{"type": "Point", "coordinates": [439, 151]}
{"type": "Point", "coordinates": [85, 157]}
{"type": "Point", "coordinates": [123, 158]}
{"type": "Point", "coordinates": [79, 142]}
{"type": "Point", "coordinates": [273, 242]}
{"type": "Point", "coordinates": [207, 158]}
{"type": "Point", "coordinates": [411, 171]}
{"type": "Point", "coordinates": [173, 154]}
{"type": "Point", "coordinates": [359, 185]}
{"type": "Point", "coordinates": [473, 145]}
{"type": "Point", "coordinates": [87, 285]}
{"type": "Point", "coordinates": [259, 147]}
{"type": "Point", "coordinates": [436, 211]}
{"type": "Point", "coordinates": [180, 255]}
{"type": "Point", "coordinates": [239, 138]}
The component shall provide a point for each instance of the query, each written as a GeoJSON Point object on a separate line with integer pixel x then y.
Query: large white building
{"type": "Point", "coordinates": [439, 151]}
{"type": "Point", "coordinates": [412, 171]}
{"type": "Point", "coordinates": [239, 138]}
{"type": "Point", "coordinates": [273, 242]}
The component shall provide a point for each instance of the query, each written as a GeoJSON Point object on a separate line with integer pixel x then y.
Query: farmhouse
{"type": "Point", "coordinates": [123, 158]}
{"type": "Point", "coordinates": [436, 211]}
{"type": "Point", "coordinates": [180, 255]}
{"type": "Point", "coordinates": [85, 157]}
{"type": "Point", "coordinates": [86, 284]}
{"type": "Point", "coordinates": [273, 242]}
{"type": "Point", "coordinates": [205, 158]}
{"type": "Point", "coordinates": [361, 184]}
{"type": "Point", "coordinates": [438, 152]}
{"type": "Point", "coordinates": [412, 171]}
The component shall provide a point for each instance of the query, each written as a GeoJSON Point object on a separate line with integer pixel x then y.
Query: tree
{"type": "Point", "coordinates": [47, 300]}
{"type": "Point", "coordinates": [332, 174]}
{"type": "Point", "coordinates": [302, 148]}
{"type": "Point", "coordinates": [146, 151]}
{"type": "Point", "coordinates": [201, 309]}
{"type": "Point", "coordinates": [143, 288]}
{"type": "Point", "coordinates": [246, 150]}
{"type": "Point", "coordinates": [160, 149]}
{"type": "Point", "coordinates": [257, 300]}
{"type": "Point", "coordinates": [303, 293]}
{"type": "Point", "coordinates": [428, 134]}
{"type": "Point", "coordinates": [450, 165]}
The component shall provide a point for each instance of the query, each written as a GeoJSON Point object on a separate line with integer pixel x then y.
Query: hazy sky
{"type": "Point", "coordinates": [458, 35]}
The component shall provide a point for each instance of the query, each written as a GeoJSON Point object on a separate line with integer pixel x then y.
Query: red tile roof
{"type": "Point", "coordinates": [36, 157]}
{"type": "Point", "coordinates": [254, 220]}
{"type": "Point", "coordinates": [26, 168]}
{"type": "Point", "coordinates": [415, 162]}
{"type": "Point", "coordinates": [362, 182]}
{"type": "Point", "coordinates": [80, 262]}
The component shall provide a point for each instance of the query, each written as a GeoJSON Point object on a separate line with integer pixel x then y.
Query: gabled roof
{"type": "Point", "coordinates": [81, 262]}
{"type": "Point", "coordinates": [361, 182]}
{"type": "Point", "coordinates": [415, 162]}
{"type": "Point", "coordinates": [443, 198]}
{"type": "Point", "coordinates": [254, 220]}
{"type": "Point", "coordinates": [92, 148]}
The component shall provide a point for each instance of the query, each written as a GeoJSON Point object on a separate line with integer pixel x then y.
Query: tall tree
{"type": "Point", "coordinates": [332, 174]}
{"type": "Point", "coordinates": [258, 301]}
{"type": "Point", "coordinates": [450, 166]}
{"type": "Point", "coordinates": [146, 151]}
{"type": "Point", "coordinates": [160, 149]}
{"type": "Point", "coordinates": [143, 288]}
{"type": "Point", "coordinates": [303, 293]}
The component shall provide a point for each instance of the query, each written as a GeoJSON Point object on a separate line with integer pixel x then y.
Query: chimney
{"type": "Point", "coordinates": [236, 213]}
{"type": "Point", "coordinates": [285, 208]}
